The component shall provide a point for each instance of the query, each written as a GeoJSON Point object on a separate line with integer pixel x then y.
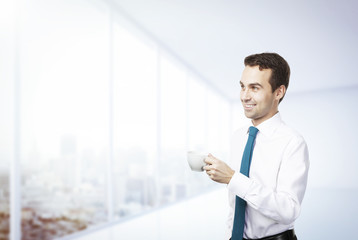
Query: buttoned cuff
{"type": "Point", "coordinates": [239, 185]}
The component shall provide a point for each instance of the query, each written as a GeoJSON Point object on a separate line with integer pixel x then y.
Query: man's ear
{"type": "Point", "coordinates": [280, 92]}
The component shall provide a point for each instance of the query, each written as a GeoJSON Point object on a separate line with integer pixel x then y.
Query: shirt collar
{"type": "Point", "coordinates": [269, 126]}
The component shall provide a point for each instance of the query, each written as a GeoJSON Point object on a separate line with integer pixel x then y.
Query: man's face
{"type": "Point", "coordinates": [257, 98]}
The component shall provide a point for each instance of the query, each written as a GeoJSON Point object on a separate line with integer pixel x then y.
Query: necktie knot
{"type": "Point", "coordinates": [253, 131]}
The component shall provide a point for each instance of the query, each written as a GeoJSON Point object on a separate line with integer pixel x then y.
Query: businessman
{"type": "Point", "coordinates": [268, 171]}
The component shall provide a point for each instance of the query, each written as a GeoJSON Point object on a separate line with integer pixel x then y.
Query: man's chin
{"type": "Point", "coordinates": [249, 115]}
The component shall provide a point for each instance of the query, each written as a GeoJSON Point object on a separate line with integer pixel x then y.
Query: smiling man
{"type": "Point", "coordinates": [269, 160]}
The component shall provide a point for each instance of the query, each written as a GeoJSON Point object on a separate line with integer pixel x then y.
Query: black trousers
{"type": "Point", "coordinates": [287, 235]}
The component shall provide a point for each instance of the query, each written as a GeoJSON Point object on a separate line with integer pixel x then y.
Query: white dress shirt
{"type": "Point", "coordinates": [277, 181]}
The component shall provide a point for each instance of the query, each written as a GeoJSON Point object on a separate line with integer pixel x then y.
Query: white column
{"type": "Point", "coordinates": [109, 163]}
{"type": "Point", "coordinates": [15, 172]}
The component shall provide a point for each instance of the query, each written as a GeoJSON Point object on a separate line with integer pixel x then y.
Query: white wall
{"type": "Point", "coordinates": [327, 120]}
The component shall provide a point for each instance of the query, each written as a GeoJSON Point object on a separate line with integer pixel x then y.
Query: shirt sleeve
{"type": "Point", "coordinates": [283, 203]}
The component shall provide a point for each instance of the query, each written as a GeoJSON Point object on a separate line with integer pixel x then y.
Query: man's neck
{"type": "Point", "coordinates": [258, 121]}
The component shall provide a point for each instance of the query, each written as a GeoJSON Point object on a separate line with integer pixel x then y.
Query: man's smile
{"type": "Point", "coordinates": [249, 106]}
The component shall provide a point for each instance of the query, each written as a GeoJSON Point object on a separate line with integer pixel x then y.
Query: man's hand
{"type": "Point", "coordinates": [217, 170]}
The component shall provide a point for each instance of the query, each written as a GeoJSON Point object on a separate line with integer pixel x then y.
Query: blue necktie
{"type": "Point", "coordinates": [240, 204]}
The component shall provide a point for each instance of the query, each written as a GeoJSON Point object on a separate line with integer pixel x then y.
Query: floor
{"type": "Point", "coordinates": [326, 214]}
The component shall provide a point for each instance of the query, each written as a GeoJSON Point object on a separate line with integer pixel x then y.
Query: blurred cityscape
{"type": "Point", "coordinates": [49, 213]}
{"type": "Point", "coordinates": [4, 206]}
{"type": "Point", "coordinates": [68, 194]}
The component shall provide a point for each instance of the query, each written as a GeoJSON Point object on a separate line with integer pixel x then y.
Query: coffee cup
{"type": "Point", "coordinates": [196, 160]}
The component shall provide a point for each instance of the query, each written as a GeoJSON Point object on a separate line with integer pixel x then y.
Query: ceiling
{"type": "Point", "coordinates": [317, 38]}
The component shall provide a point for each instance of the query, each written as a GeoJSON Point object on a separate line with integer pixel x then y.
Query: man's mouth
{"type": "Point", "coordinates": [249, 106]}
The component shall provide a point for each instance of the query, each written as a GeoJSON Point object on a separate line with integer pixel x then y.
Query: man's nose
{"type": "Point", "coordinates": [245, 95]}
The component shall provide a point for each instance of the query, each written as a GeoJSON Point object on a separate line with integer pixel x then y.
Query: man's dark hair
{"type": "Point", "coordinates": [280, 69]}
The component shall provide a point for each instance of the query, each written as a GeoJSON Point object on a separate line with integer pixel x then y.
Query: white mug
{"type": "Point", "coordinates": [196, 160]}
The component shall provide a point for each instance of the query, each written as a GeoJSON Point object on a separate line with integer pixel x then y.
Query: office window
{"type": "Point", "coordinates": [64, 116]}
{"type": "Point", "coordinates": [172, 165]}
{"type": "Point", "coordinates": [106, 119]}
{"type": "Point", "coordinates": [197, 182]}
{"type": "Point", "coordinates": [6, 113]}
{"type": "Point", "coordinates": [218, 126]}
{"type": "Point", "coordinates": [197, 115]}
{"type": "Point", "coordinates": [213, 123]}
{"type": "Point", "coordinates": [225, 129]}
{"type": "Point", "coordinates": [135, 123]}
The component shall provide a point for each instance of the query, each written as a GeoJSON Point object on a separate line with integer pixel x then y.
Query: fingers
{"type": "Point", "coordinates": [207, 167]}
{"type": "Point", "coordinates": [210, 159]}
{"type": "Point", "coordinates": [210, 168]}
{"type": "Point", "coordinates": [211, 174]}
{"type": "Point", "coordinates": [211, 162]}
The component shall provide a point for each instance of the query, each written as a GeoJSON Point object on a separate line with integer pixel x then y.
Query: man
{"type": "Point", "coordinates": [273, 188]}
